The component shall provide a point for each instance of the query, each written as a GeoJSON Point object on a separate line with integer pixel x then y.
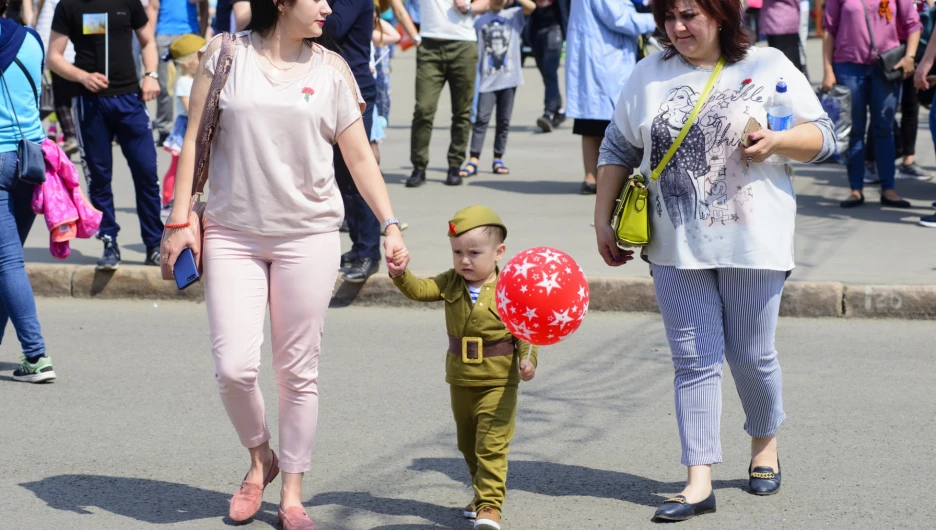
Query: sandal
{"type": "Point", "coordinates": [499, 168]}
{"type": "Point", "coordinates": [470, 170]}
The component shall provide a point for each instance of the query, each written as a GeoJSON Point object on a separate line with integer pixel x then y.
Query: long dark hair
{"type": "Point", "coordinates": [725, 13]}
{"type": "Point", "coordinates": [264, 15]}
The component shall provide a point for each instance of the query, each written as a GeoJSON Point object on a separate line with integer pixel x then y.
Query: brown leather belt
{"type": "Point", "coordinates": [473, 350]}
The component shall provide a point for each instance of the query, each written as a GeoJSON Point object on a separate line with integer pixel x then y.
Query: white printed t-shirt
{"type": "Point", "coordinates": [710, 209]}
{"type": "Point", "coordinates": [439, 19]}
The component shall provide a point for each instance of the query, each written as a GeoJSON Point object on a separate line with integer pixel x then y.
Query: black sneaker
{"type": "Point", "coordinates": [111, 258]}
{"type": "Point", "coordinates": [417, 179]}
{"type": "Point", "coordinates": [545, 122]}
{"type": "Point", "coordinates": [361, 270]}
{"type": "Point", "coordinates": [558, 119]}
{"type": "Point", "coordinates": [453, 178]}
{"type": "Point", "coordinates": [162, 139]}
{"type": "Point", "coordinates": [152, 256]}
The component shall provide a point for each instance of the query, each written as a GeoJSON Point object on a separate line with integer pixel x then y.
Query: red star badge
{"type": "Point", "coordinates": [452, 231]}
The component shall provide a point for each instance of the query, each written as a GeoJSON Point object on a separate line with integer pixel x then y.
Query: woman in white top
{"type": "Point", "coordinates": [722, 220]}
{"type": "Point", "coordinates": [272, 222]}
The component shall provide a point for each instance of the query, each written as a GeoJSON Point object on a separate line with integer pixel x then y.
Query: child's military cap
{"type": "Point", "coordinates": [473, 217]}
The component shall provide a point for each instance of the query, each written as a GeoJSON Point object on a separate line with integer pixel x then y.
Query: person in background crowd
{"type": "Point", "coordinates": [20, 11]}
{"type": "Point", "coordinates": [231, 16]}
{"type": "Point", "coordinates": [385, 36]}
{"type": "Point", "coordinates": [905, 134]}
{"type": "Point", "coordinates": [780, 21]}
{"type": "Point", "coordinates": [804, 34]}
{"type": "Point", "coordinates": [849, 58]}
{"type": "Point", "coordinates": [601, 50]}
{"type": "Point", "coordinates": [548, 25]}
{"type": "Point", "coordinates": [19, 111]}
{"type": "Point", "coordinates": [112, 104]}
{"type": "Point", "coordinates": [500, 74]}
{"type": "Point", "coordinates": [925, 80]}
{"type": "Point", "coordinates": [62, 90]}
{"type": "Point", "coordinates": [172, 19]}
{"type": "Point", "coordinates": [751, 10]}
{"type": "Point", "coordinates": [448, 54]}
{"type": "Point", "coordinates": [348, 31]}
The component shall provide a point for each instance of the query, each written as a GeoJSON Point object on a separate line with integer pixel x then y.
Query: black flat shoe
{"type": "Point", "coordinates": [417, 179]}
{"type": "Point", "coordinates": [361, 270]}
{"type": "Point", "coordinates": [851, 203]}
{"type": "Point", "coordinates": [763, 480]}
{"type": "Point", "coordinates": [677, 509]}
{"type": "Point", "coordinates": [589, 188]}
{"type": "Point", "coordinates": [895, 204]}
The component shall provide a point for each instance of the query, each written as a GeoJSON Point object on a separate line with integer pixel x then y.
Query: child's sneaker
{"type": "Point", "coordinates": [39, 372]}
{"type": "Point", "coordinates": [488, 519]}
{"type": "Point", "coordinates": [470, 511]}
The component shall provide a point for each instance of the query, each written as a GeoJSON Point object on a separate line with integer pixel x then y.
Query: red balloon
{"type": "Point", "coordinates": [542, 295]}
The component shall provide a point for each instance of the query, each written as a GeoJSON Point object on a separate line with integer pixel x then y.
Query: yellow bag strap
{"type": "Point", "coordinates": [692, 118]}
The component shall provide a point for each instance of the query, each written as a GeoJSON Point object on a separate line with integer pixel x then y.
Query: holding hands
{"type": "Point", "coordinates": [398, 257]}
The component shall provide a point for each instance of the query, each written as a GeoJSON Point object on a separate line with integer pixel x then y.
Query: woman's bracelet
{"type": "Point", "coordinates": [177, 226]}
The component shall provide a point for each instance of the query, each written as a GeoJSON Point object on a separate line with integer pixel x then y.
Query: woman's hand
{"type": "Point", "coordinates": [919, 77]}
{"type": "Point", "coordinates": [763, 144]}
{"type": "Point", "coordinates": [908, 65]}
{"type": "Point", "coordinates": [828, 81]}
{"type": "Point", "coordinates": [607, 247]}
{"type": "Point", "coordinates": [175, 242]}
{"type": "Point", "coordinates": [527, 370]}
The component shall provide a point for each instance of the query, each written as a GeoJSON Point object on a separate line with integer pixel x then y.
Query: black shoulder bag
{"type": "Point", "coordinates": [889, 59]}
{"type": "Point", "coordinates": [31, 167]}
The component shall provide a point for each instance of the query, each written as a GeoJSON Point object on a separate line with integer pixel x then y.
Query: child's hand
{"type": "Point", "coordinates": [527, 370]}
{"type": "Point", "coordinates": [397, 263]}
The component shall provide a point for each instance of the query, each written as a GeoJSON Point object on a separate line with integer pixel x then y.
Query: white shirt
{"type": "Point", "coordinates": [709, 208]}
{"type": "Point", "coordinates": [183, 89]}
{"type": "Point", "coordinates": [440, 20]}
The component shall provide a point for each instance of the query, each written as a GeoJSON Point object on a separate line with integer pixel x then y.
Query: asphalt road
{"type": "Point", "coordinates": [539, 200]}
{"type": "Point", "coordinates": [133, 435]}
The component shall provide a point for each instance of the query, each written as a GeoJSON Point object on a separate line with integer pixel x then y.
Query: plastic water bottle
{"type": "Point", "coordinates": [780, 112]}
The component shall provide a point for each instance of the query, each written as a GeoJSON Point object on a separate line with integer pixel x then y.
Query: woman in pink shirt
{"type": "Point", "coordinates": [849, 59]}
{"type": "Point", "coordinates": [271, 228]}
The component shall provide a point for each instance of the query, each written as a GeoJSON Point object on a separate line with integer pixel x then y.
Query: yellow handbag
{"type": "Point", "coordinates": [631, 217]}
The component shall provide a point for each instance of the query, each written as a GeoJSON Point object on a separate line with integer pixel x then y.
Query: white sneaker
{"type": "Point", "coordinates": [912, 172]}
{"type": "Point", "coordinates": [928, 221]}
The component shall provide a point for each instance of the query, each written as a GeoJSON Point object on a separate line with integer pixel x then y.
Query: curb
{"type": "Point", "coordinates": [800, 299]}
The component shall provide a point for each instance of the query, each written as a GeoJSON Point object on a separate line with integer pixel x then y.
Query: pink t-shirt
{"type": "Point", "coordinates": [272, 169]}
{"type": "Point", "coordinates": [780, 17]}
{"type": "Point", "coordinates": [845, 20]}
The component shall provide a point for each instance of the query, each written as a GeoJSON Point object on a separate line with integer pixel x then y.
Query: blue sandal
{"type": "Point", "coordinates": [499, 168]}
{"type": "Point", "coordinates": [470, 170]}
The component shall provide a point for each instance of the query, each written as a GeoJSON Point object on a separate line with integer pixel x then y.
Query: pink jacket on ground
{"type": "Point", "coordinates": [68, 214]}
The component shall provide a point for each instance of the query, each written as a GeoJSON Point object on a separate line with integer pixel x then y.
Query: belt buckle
{"type": "Point", "coordinates": [464, 352]}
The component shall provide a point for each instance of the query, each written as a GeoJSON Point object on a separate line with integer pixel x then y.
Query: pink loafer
{"type": "Point", "coordinates": [247, 500]}
{"type": "Point", "coordinates": [295, 518]}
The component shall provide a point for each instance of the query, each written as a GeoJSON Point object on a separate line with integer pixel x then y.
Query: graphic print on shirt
{"type": "Point", "coordinates": [496, 36]}
{"type": "Point", "coordinates": [706, 180]}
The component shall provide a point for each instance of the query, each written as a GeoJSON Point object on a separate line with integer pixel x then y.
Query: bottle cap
{"type": "Point", "coordinates": [781, 85]}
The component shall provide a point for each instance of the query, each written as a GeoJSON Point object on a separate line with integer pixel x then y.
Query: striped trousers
{"type": "Point", "coordinates": [711, 315]}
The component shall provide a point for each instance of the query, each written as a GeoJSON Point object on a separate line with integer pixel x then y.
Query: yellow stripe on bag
{"type": "Point", "coordinates": [692, 118]}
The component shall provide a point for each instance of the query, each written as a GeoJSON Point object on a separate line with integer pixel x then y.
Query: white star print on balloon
{"type": "Point", "coordinates": [542, 295]}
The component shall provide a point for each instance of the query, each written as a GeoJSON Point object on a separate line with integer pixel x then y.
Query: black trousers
{"type": "Point", "coordinates": [790, 46]}
{"type": "Point", "coordinates": [546, 42]}
{"type": "Point", "coordinates": [504, 100]}
{"type": "Point", "coordinates": [363, 226]}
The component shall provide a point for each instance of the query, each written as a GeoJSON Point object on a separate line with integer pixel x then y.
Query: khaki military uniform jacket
{"type": "Point", "coordinates": [464, 319]}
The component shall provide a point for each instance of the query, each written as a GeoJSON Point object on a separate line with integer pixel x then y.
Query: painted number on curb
{"type": "Point", "coordinates": [881, 300]}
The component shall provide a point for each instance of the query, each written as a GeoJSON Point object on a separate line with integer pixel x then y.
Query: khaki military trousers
{"type": "Point", "coordinates": [484, 418]}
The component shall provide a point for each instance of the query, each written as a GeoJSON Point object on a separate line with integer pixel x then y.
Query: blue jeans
{"type": "Point", "coordinates": [869, 88]}
{"type": "Point", "coordinates": [16, 218]}
{"type": "Point", "coordinates": [547, 50]}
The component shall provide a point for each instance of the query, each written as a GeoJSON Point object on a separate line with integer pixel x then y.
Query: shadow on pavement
{"type": "Point", "coordinates": [8, 367]}
{"type": "Point", "coordinates": [445, 516]}
{"type": "Point", "coordinates": [536, 187]}
{"type": "Point", "coordinates": [345, 294]}
{"type": "Point", "coordinates": [149, 501]}
{"type": "Point", "coordinates": [562, 480]}
{"type": "Point", "coordinates": [42, 255]}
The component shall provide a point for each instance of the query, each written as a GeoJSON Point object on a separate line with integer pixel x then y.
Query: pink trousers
{"type": "Point", "coordinates": [295, 276]}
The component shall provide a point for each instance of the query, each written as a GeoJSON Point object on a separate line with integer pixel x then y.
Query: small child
{"type": "Point", "coordinates": [184, 53]}
{"type": "Point", "coordinates": [499, 70]}
{"type": "Point", "coordinates": [483, 365]}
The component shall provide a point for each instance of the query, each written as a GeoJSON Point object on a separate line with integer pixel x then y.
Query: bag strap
{"type": "Point", "coordinates": [9, 98]}
{"type": "Point", "coordinates": [28, 78]}
{"type": "Point", "coordinates": [864, 5]}
{"type": "Point", "coordinates": [211, 113]}
{"type": "Point", "coordinates": [689, 121]}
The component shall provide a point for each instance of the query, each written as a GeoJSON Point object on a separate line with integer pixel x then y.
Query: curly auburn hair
{"type": "Point", "coordinates": [726, 13]}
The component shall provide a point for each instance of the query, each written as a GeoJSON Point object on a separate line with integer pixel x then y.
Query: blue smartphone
{"type": "Point", "coordinates": [185, 270]}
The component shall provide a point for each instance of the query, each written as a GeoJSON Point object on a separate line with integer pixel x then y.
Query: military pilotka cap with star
{"type": "Point", "coordinates": [473, 217]}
